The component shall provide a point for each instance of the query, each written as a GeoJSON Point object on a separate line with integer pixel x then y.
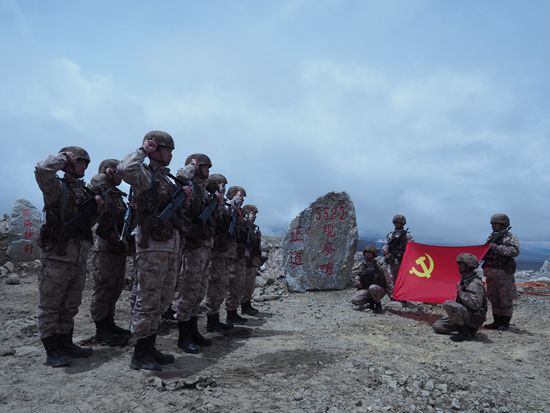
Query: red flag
{"type": "Point", "coordinates": [429, 273]}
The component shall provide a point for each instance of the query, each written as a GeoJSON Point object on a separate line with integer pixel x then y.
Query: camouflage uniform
{"type": "Point", "coordinates": [499, 268]}
{"type": "Point", "coordinates": [254, 241]}
{"type": "Point", "coordinates": [157, 245]}
{"type": "Point", "coordinates": [109, 259]}
{"type": "Point", "coordinates": [239, 254]}
{"type": "Point", "coordinates": [218, 272]}
{"type": "Point", "coordinates": [468, 310]}
{"type": "Point", "coordinates": [394, 248]}
{"type": "Point", "coordinates": [65, 249]}
{"type": "Point", "coordinates": [194, 272]}
{"type": "Point", "coordinates": [373, 284]}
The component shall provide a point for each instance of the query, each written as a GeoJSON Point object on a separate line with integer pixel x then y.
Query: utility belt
{"type": "Point", "coordinates": [508, 264]}
{"type": "Point", "coordinates": [53, 237]}
{"type": "Point", "coordinates": [157, 229]}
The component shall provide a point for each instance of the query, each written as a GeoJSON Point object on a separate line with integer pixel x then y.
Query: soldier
{"type": "Point", "coordinates": [499, 267]}
{"type": "Point", "coordinates": [218, 273]}
{"type": "Point", "coordinates": [193, 278]}
{"type": "Point", "coordinates": [254, 244]}
{"type": "Point", "coordinates": [109, 258]}
{"type": "Point", "coordinates": [65, 239]}
{"type": "Point", "coordinates": [396, 242]}
{"type": "Point", "coordinates": [467, 313]}
{"type": "Point", "coordinates": [159, 215]}
{"type": "Point", "coordinates": [238, 254]}
{"type": "Point", "coordinates": [373, 282]}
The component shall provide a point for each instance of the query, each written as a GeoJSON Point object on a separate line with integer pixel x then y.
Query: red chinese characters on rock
{"type": "Point", "coordinates": [296, 257]}
{"type": "Point", "coordinates": [296, 234]}
{"type": "Point", "coordinates": [327, 268]}
{"type": "Point", "coordinates": [28, 234]}
{"type": "Point", "coordinates": [328, 249]}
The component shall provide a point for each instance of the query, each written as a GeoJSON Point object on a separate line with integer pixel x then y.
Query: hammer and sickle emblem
{"type": "Point", "coordinates": [426, 270]}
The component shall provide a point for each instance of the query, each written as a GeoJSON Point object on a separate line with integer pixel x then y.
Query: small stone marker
{"type": "Point", "coordinates": [319, 246]}
{"type": "Point", "coordinates": [23, 232]}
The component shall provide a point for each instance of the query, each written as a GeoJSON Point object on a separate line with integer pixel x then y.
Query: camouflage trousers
{"type": "Point", "coordinates": [157, 271]}
{"type": "Point", "coordinates": [374, 293]}
{"type": "Point", "coordinates": [217, 283]}
{"type": "Point", "coordinates": [457, 316]}
{"type": "Point", "coordinates": [237, 269]}
{"type": "Point", "coordinates": [61, 282]}
{"type": "Point", "coordinates": [394, 268]}
{"type": "Point", "coordinates": [192, 283]}
{"type": "Point", "coordinates": [249, 283]}
{"type": "Point", "coordinates": [500, 291]}
{"type": "Point", "coordinates": [108, 272]}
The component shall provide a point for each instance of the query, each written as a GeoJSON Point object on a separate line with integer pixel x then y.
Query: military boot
{"type": "Point", "coordinates": [71, 349]}
{"type": "Point", "coordinates": [143, 357]}
{"type": "Point", "coordinates": [495, 324]}
{"type": "Point", "coordinates": [160, 358]}
{"type": "Point", "coordinates": [378, 308]}
{"type": "Point", "coordinates": [55, 357]}
{"type": "Point", "coordinates": [104, 335]}
{"type": "Point", "coordinates": [116, 329]}
{"type": "Point", "coordinates": [214, 325]}
{"type": "Point", "coordinates": [371, 305]}
{"type": "Point", "coordinates": [234, 318]}
{"type": "Point", "coordinates": [504, 323]}
{"type": "Point", "coordinates": [169, 314]}
{"type": "Point", "coordinates": [464, 334]}
{"type": "Point", "coordinates": [196, 334]}
{"type": "Point", "coordinates": [246, 308]}
{"type": "Point", "coordinates": [185, 342]}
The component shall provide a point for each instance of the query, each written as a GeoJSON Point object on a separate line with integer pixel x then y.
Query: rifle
{"type": "Point", "coordinates": [85, 211]}
{"type": "Point", "coordinates": [178, 198]}
{"type": "Point", "coordinates": [127, 217]}
{"type": "Point", "coordinates": [212, 203]}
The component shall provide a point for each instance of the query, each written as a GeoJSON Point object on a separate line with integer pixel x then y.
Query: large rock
{"type": "Point", "coordinates": [319, 246]}
{"type": "Point", "coordinates": [23, 232]}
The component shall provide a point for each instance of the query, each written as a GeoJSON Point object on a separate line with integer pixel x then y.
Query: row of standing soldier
{"type": "Point", "coordinates": [467, 313]}
{"type": "Point", "coordinates": [190, 244]}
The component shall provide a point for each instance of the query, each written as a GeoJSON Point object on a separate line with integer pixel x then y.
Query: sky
{"type": "Point", "coordinates": [438, 110]}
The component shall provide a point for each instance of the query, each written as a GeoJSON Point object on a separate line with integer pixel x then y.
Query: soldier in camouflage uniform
{"type": "Point", "coordinates": [218, 272]}
{"type": "Point", "coordinates": [499, 268]}
{"type": "Point", "coordinates": [193, 281]}
{"type": "Point", "coordinates": [254, 244]}
{"type": "Point", "coordinates": [373, 283]}
{"type": "Point", "coordinates": [467, 313]}
{"type": "Point", "coordinates": [396, 242]}
{"type": "Point", "coordinates": [65, 239]}
{"type": "Point", "coordinates": [238, 254]}
{"type": "Point", "coordinates": [109, 258]}
{"type": "Point", "coordinates": [157, 242]}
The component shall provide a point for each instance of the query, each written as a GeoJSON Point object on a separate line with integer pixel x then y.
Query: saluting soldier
{"type": "Point", "coordinates": [65, 239]}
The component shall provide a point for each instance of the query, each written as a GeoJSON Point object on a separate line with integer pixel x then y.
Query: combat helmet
{"type": "Point", "coordinates": [250, 208]}
{"type": "Point", "coordinates": [500, 219]}
{"type": "Point", "coordinates": [232, 191]}
{"type": "Point", "coordinates": [214, 181]}
{"type": "Point", "coordinates": [107, 163]}
{"type": "Point", "coordinates": [160, 138]}
{"type": "Point", "coordinates": [79, 152]}
{"type": "Point", "coordinates": [201, 158]}
{"type": "Point", "coordinates": [399, 218]}
{"type": "Point", "coordinates": [469, 259]}
{"type": "Point", "coordinates": [370, 248]}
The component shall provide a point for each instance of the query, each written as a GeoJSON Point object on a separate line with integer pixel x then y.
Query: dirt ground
{"type": "Point", "coordinates": [305, 353]}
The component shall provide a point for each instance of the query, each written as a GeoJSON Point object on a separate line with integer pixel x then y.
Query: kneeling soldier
{"type": "Point", "coordinates": [373, 282]}
{"type": "Point", "coordinates": [467, 313]}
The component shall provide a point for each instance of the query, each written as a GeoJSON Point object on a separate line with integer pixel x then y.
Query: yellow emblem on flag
{"type": "Point", "coordinates": [426, 271]}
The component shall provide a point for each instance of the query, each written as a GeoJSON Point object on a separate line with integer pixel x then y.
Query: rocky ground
{"type": "Point", "coordinates": [306, 352]}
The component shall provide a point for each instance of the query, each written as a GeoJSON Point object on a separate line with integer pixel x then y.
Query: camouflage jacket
{"type": "Point", "coordinates": [502, 257]}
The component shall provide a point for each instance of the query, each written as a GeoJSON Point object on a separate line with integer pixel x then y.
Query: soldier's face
{"type": "Point", "coordinates": [497, 227]}
{"type": "Point", "coordinates": [251, 216]}
{"type": "Point", "coordinates": [79, 166]}
{"type": "Point", "coordinates": [165, 155]}
{"type": "Point", "coordinates": [462, 268]}
{"type": "Point", "coordinates": [369, 255]}
{"type": "Point", "coordinates": [204, 171]}
{"type": "Point", "coordinates": [115, 178]}
{"type": "Point", "coordinates": [398, 225]}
